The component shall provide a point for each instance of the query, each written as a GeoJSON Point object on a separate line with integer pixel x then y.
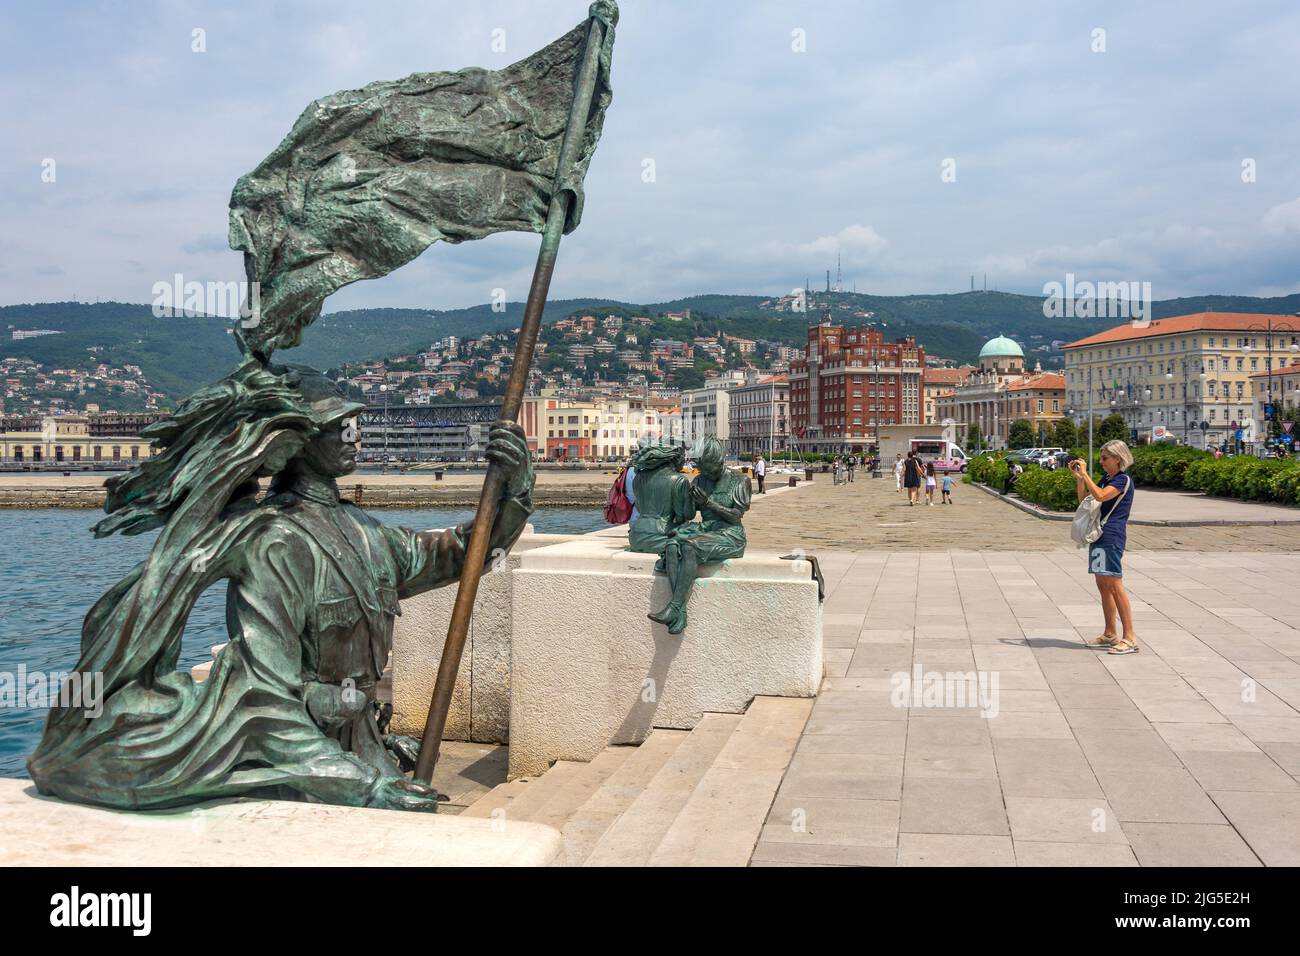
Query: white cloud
{"type": "Point", "coordinates": [1123, 165]}
{"type": "Point", "coordinates": [1283, 219]}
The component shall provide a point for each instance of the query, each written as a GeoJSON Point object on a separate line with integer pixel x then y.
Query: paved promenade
{"type": "Point", "coordinates": [1187, 753]}
{"type": "Point", "coordinates": [870, 514]}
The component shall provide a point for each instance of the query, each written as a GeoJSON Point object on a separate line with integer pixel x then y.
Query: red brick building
{"type": "Point", "coordinates": [850, 381]}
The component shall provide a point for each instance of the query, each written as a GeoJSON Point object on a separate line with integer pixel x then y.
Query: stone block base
{"type": "Point", "coordinates": [480, 703]}
{"type": "Point", "coordinates": [589, 668]}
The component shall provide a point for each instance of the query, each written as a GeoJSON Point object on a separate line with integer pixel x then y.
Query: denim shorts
{"type": "Point", "coordinates": [1106, 560]}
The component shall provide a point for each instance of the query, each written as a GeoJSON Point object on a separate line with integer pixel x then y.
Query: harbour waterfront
{"type": "Point", "coordinates": [413, 489]}
{"type": "Point", "coordinates": [54, 570]}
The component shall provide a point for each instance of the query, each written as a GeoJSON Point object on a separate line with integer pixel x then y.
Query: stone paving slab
{"type": "Point", "coordinates": [1187, 753]}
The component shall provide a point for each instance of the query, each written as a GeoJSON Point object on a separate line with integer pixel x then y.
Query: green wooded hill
{"type": "Point", "coordinates": [178, 354]}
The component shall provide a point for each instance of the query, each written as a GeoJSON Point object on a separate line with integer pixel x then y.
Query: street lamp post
{"type": "Point", "coordinates": [1267, 329]}
{"type": "Point", "coordinates": [1169, 377]}
{"type": "Point", "coordinates": [383, 390]}
{"type": "Point", "coordinates": [1090, 415]}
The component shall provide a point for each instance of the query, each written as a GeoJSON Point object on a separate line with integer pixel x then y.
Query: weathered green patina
{"type": "Point", "coordinates": [368, 179]}
{"type": "Point", "coordinates": [663, 497]}
{"type": "Point", "coordinates": [364, 182]}
{"type": "Point", "coordinates": [723, 498]}
{"type": "Point", "coordinates": [313, 589]}
{"type": "Point", "coordinates": [666, 503]}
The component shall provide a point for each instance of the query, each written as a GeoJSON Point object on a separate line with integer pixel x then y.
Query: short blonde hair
{"type": "Point", "coordinates": [1120, 452]}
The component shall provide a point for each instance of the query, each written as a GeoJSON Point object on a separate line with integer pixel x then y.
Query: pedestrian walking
{"type": "Point", "coordinates": [835, 470]}
{"type": "Point", "coordinates": [1105, 555]}
{"type": "Point", "coordinates": [929, 483]}
{"type": "Point", "coordinates": [760, 472]}
{"type": "Point", "coordinates": [853, 462]}
{"type": "Point", "coordinates": [912, 477]}
{"type": "Point", "coordinates": [947, 488]}
{"type": "Point", "coordinates": [898, 472]}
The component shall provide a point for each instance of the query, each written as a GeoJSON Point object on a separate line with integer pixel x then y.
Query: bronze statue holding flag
{"type": "Point", "coordinates": [365, 182]}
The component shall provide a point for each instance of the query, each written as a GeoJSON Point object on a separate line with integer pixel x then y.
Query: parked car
{"type": "Point", "coordinates": [1021, 458]}
{"type": "Point", "coordinates": [1042, 456]}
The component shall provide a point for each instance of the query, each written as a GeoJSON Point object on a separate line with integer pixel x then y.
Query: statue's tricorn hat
{"type": "Point", "coordinates": [324, 401]}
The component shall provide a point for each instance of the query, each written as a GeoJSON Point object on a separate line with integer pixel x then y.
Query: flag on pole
{"type": "Point", "coordinates": [368, 179]}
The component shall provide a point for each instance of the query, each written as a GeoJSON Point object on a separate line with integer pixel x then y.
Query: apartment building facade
{"type": "Point", "coordinates": [1191, 374]}
{"type": "Point", "coordinates": [851, 380]}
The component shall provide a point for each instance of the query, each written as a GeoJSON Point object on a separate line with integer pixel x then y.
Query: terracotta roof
{"type": "Point", "coordinates": [1284, 370]}
{"type": "Point", "coordinates": [1196, 322]}
{"type": "Point", "coordinates": [947, 376]}
{"type": "Point", "coordinates": [1047, 380]}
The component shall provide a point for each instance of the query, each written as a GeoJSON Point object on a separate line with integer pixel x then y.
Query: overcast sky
{"type": "Point", "coordinates": [768, 160]}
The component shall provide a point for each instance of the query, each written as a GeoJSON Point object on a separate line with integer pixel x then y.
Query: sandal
{"type": "Point", "coordinates": [1124, 646]}
{"type": "Point", "coordinates": [1106, 640]}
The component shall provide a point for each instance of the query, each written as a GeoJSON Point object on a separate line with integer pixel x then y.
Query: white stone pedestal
{"type": "Point", "coordinates": [590, 669]}
{"type": "Point", "coordinates": [47, 832]}
{"type": "Point", "coordinates": [480, 703]}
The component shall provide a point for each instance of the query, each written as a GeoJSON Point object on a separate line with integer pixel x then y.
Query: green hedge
{"type": "Point", "coordinates": [988, 470]}
{"type": "Point", "coordinates": [1051, 489]}
{"type": "Point", "coordinates": [1163, 465]}
{"type": "Point", "coordinates": [1160, 465]}
{"type": "Point", "coordinates": [1251, 479]}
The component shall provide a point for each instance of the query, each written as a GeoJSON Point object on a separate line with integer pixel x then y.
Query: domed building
{"type": "Point", "coordinates": [1001, 391]}
{"type": "Point", "coordinates": [1002, 355]}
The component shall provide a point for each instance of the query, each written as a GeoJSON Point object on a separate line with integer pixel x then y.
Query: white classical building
{"type": "Point", "coordinates": [705, 411]}
{"type": "Point", "coordinates": [622, 423]}
{"type": "Point", "coordinates": [758, 415]}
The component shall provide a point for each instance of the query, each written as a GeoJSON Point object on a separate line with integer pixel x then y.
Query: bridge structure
{"type": "Point", "coordinates": [425, 432]}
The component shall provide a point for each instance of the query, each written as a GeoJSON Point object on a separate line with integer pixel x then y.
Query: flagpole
{"type": "Point", "coordinates": [494, 482]}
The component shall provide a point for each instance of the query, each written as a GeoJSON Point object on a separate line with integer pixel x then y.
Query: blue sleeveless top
{"type": "Point", "coordinates": [1116, 511]}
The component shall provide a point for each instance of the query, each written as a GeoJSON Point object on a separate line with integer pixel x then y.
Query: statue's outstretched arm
{"type": "Point", "coordinates": [430, 559]}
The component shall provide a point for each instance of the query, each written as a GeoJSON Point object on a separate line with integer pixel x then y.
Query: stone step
{"type": "Point", "coordinates": [497, 798]}
{"type": "Point", "coordinates": [590, 821]}
{"type": "Point", "coordinates": [720, 822]}
{"type": "Point", "coordinates": [633, 837]}
{"type": "Point", "coordinates": [580, 787]}
{"type": "Point", "coordinates": [542, 789]}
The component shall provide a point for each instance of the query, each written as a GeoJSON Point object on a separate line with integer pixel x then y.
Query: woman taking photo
{"type": "Point", "coordinates": [1105, 555]}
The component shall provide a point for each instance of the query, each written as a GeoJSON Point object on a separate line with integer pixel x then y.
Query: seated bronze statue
{"type": "Point", "coordinates": [665, 522]}
{"type": "Point", "coordinates": [663, 497]}
{"type": "Point", "coordinates": [314, 584]}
